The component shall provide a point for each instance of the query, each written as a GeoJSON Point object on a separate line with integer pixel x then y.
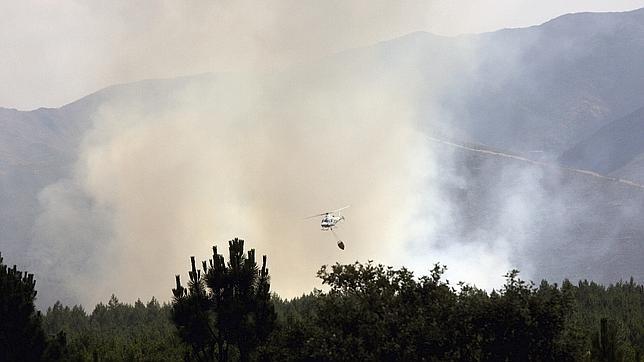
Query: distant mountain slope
{"type": "Point", "coordinates": [634, 170]}
{"type": "Point", "coordinates": [39, 147]}
{"type": "Point", "coordinates": [537, 90]}
{"type": "Point", "coordinates": [553, 222]}
{"type": "Point", "coordinates": [610, 148]}
{"type": "Point", "coordinates": [35, 149]}
{"type": "Point", "coordinates": [547, 87]}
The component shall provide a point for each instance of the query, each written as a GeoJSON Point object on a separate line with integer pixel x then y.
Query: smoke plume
{"type": "Point", "coordinates": [168, 169]}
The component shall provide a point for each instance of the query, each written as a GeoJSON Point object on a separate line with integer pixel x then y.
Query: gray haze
{"type": "Point", "coordinates": [431, 139]}
{"type": "Point", "coordinates": [53, 52]}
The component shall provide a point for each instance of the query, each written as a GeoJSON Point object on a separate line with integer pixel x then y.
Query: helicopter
{"type": "Point", "coordinates": [330, 219]}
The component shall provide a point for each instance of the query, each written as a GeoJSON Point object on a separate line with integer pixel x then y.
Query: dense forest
{"type": "Point", "coordinates": [366, 312]}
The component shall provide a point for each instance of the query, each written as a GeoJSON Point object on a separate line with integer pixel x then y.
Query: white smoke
{"type": "Point", "coordinates": [165, 174]}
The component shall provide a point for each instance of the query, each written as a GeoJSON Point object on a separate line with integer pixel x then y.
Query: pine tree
{"type": "Point", "coordinates": [228, 305]}
{"type": "Point", "coordinates": [21, 334]}
{"type": "Point", "coordinates": [604, 344]}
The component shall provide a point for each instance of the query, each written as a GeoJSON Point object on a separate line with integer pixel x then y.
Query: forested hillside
{"type": "Point", "coordinates": [366, 312]}
{"type": "Point", "coordinates": [375, 313]}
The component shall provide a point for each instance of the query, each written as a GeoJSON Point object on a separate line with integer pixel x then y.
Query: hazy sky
{"type": "Point", "coordinates": [53, 52]}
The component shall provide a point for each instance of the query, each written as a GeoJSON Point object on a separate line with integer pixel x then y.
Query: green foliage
{"type": "Point", "coordinates": [609, 319]}
{"type": "Point", "coordinates": [372, 312]}
{"type": "Point", "coordinates": [116, 332]}
{"type": "Point", "coordinates": [367, 312]}
{"type": "Point", "coordinates": [21, 334]}
{"type": "Point", "coordinates": [228, 306]}
{"type": "Point", "coordinates": [526, 323]}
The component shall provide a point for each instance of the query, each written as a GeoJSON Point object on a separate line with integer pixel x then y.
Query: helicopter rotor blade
{"type": "Point", "coordinates": [342, 208]}
{"type": "Point", "coordinates": [318, 215]}
{"type": "Point", "coordinates": [328, 212]}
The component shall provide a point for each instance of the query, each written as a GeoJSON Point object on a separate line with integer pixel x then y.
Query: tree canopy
{"type": "Point", "coordinates": [22, 337]}
{"type": "Point", "coordinates": [226, 307]}
{"type": "Point", "coordinates": [367, 311]}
